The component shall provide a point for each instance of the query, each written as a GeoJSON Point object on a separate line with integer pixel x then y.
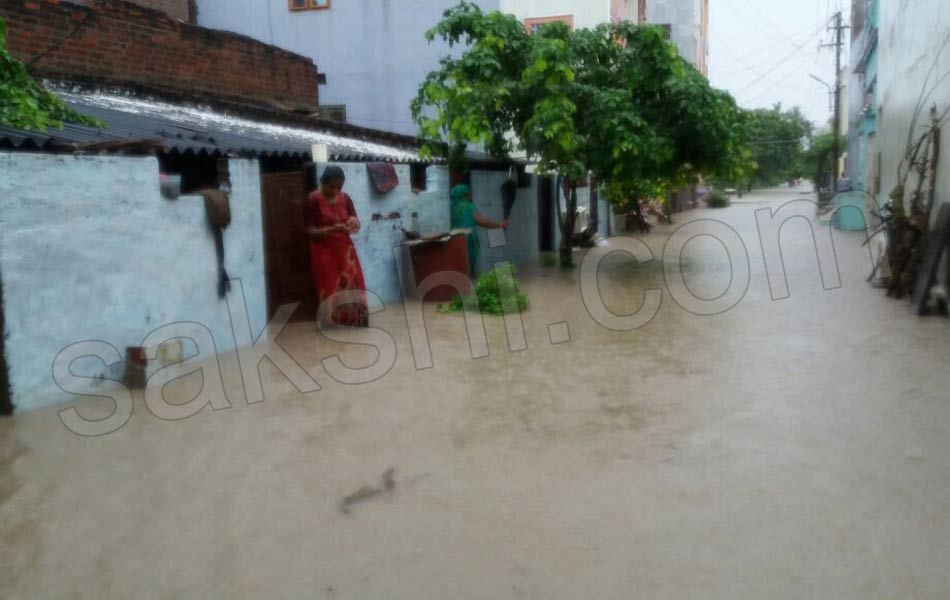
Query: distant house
{"type": "Point", "coordinates": [688, 24]}
{"type": "Point", "coordinates": [94, 247]}
{"type": "Point", "coordinates": [374, 53]}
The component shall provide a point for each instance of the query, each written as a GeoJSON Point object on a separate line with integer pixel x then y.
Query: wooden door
{"type": "Point", "coordinates": [287, 250]}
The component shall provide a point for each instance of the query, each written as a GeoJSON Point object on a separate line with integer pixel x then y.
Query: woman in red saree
{"type": "Point", "coordinates": [334, 265]}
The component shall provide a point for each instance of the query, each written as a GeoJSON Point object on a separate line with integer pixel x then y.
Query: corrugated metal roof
{"type": "Point", "coordinates": [198, 130]}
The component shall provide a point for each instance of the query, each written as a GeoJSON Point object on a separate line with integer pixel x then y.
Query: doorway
{"type": "Point", "coordinates": [286, 249]}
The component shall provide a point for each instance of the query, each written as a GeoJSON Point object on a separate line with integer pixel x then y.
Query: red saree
{"type": "Point", "coordinates": [334, 265]}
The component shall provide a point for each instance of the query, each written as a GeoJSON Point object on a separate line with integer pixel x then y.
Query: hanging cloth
{"type": "Point", "coordinates": [218, 210]}
{"type": "Point", "coordinates": [383, 175]}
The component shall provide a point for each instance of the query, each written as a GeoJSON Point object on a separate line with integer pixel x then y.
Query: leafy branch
{"type": "Point", "coordinates": [24, 103]}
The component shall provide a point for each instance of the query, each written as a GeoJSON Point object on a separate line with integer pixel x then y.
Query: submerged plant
{"type": "Point", "coordinates": [717, 199]}
{"type": "Point", "coordinates": [496, 293]}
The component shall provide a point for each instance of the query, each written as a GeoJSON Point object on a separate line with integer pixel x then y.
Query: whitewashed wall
{"type": "Point", "coordinates": [89, 250]}
{"type": "Point", "coordinates": [910, 44]}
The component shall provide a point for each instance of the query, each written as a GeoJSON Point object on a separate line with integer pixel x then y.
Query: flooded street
{"type": "Point", "coordinates": [781, 449]}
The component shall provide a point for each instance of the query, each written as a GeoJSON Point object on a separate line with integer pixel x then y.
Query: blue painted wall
{"type": "Point", "coordinates": [520, 243]}
{"type": "Point", "coordinates": [89, 250]}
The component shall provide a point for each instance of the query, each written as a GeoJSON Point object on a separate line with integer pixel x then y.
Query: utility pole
{"type": "Point", "coordinates": [838, 45]}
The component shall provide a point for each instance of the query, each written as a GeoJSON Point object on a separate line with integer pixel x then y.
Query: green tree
{"type": "Point", "coordinates": [816, 162]}
{"type": "Point", "coordinates": [25, 104]}
{"type": "Point", "coordinates": [615, 102]}
{"type": "Point", "coordinates": [777, 138]}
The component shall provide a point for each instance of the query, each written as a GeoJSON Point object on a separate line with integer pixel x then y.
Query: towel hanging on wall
{"type": "Point", "coordinates": [218, 209]}
{"type": "Point", "coordinates": [383, 175]}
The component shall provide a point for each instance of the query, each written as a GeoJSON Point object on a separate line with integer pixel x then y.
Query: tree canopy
{"type": "Point", "coordinates": [25, 104]}
{"type": "Point", "coordinates": [616, 102]}
{"type": "Point", "coordinates": [816, 162]}
{"type": "Point", "coordinates": [778, 139]}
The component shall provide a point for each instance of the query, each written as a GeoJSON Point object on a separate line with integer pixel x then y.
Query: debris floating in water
{"type": "Point", "coordinates": [387, 486]}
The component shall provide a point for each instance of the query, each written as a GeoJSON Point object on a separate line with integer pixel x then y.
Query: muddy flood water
{"type": "Point", "coordinates": [781, 449]}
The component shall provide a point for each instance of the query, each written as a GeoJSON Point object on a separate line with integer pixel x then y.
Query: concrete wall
{"type": "Point", "coordinates": [911, 42]}
{"type": "Point", "coordinates": [911, 36]}
{"type": "Point", "coordinates": [89, 250]}
{"type": "Point", "coordinates": [520, 243]}
{"type": "Point", "coordinates": [689, 26]}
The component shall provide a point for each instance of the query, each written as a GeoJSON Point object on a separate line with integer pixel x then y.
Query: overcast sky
{"type": "Point", "coordinates": [763, 51]}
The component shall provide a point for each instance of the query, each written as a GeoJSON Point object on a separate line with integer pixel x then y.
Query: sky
{"type": "Point", "coordinates": [764, 51]}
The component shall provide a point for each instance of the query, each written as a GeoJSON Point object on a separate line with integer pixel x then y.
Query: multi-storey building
{"type": "Point", "coordinates": [374, 53]}
{"type": "Point", "coordinates": [688, 24]}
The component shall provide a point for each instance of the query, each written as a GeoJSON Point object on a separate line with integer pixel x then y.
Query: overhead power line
{"type": "Point", "coordinates": [810, 29]}
{"type": "Point", "coordinates": [780, 63]}
{"type": "Point", "coordinates": [758, 26]}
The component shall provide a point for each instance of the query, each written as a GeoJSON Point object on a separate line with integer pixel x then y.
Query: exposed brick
{"type": "Point", "coordinates": [176, 9]}
{"type": "Point", "coordinates": [118, 43]}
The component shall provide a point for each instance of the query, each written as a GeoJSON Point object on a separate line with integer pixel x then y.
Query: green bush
{"type": "Point", "coordinates": [25, 104]}
{"type": "Point", "coordinates": [717, 199]}
{"type": "Point", "coordinates": [496, 293]}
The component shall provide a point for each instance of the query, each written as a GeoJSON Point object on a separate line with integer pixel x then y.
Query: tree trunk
{"type": "Point", "coordinates": [643, 226]}
{"type": "Point", "coordinates": [567, 228]}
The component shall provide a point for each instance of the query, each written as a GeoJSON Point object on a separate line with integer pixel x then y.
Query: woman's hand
{"type": "Point", "coordinates": [352, 225]}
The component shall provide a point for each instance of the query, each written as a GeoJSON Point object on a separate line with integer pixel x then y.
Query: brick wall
{"type": "Point", "coordinates": [119, 43]}
{"type": "Point", "coordinates": [183, 10]}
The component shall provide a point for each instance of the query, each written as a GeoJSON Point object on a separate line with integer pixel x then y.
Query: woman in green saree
{"type": "Point", "coordinates": [465, 216]}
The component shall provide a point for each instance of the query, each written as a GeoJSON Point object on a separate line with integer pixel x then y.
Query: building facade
{"type": "Point", "coordinates": [688, 23]}
{"type": "Point", "coordinates": [899, 75]}
{"type": "Point", "coordinates": [862, 97]}
{"type": "Point", "coordinates": [373, 52]}
{"type": "Point", "coordinates": [912, 73]}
